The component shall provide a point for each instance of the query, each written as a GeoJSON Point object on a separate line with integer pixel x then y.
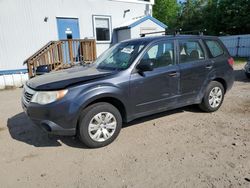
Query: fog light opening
{"type": "Point", "coordinates": [46, 127]}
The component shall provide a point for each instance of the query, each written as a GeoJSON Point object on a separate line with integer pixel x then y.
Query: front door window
{"type": "Point", "coordinates": [161, 54]}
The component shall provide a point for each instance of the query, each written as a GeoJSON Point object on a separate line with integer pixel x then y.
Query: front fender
{"type": "Point", "coordinates": [89, 95]}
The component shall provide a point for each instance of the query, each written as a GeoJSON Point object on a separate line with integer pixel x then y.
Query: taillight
{"type": "Point", "coordinates": [231, 61]}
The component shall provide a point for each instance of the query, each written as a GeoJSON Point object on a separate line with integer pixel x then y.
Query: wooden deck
{"type": "Point", "coordinates": [62, 54]}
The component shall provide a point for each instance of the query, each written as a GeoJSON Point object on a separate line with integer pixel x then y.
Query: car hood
{"type": "Point", "coordinates": [64, 78]}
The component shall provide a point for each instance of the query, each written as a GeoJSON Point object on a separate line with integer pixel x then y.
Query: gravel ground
{"type": "Point", "coordinates": [179, 148]}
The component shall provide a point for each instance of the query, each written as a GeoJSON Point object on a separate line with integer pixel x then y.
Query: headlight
{"type": "Point", "coordinates": [46, 97]}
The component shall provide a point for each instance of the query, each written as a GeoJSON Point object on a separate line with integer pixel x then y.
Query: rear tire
{"type": "Point", "coordinates": [213, 98]}
{"type": "Point", "coordinates": [248, 75]}
{"type": "Point", "coordinates": [99, 125]}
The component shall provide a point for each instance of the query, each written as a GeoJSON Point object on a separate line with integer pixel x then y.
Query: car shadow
{"type": "Point", "coordinates": [191, 108]}
{"type": "Point", "coordinates": [240, 76]}
{"type": "Point", "coordinates": [22, 129]}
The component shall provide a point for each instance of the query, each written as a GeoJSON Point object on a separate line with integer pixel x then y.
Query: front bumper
{"type": "Point", "coordinates": [52, 128]}
{"type": "Point", "coordinates": [53, 122]}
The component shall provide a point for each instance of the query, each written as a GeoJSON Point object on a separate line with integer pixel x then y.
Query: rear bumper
{"type": "Point", "coordinates": [229, 79]}
{"type": "Point", "coordinates": [230, 82]}
{"type": "Point", "coordinates": [247, 67]}
{"type": "Point", "coordinates": [247, 70]}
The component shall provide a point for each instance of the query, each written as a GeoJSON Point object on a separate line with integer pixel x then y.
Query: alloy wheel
{"type": "Point", "coordinates": [102, 126]}
{"type": "Point", "coordinates": [215, 97]}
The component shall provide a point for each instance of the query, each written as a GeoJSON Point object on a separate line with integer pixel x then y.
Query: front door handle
{"type": "Point", "coordinates": [173, 74]}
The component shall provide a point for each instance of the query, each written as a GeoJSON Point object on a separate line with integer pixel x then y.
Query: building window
{"type": "Point", "coordinates": [102, 28]}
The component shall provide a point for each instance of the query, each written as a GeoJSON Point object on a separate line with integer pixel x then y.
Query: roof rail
{"type": "Point", "coordinates": [194, 32]}
{"type": "Point", "coordinates": [176, 32]}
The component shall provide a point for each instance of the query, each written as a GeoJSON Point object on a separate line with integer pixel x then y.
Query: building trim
{"type": "Point", "coordinates": [149, 18]}
{"type": "Point", "coordinates": [16, 71]}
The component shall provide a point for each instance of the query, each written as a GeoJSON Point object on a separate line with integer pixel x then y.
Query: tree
{"type": "Point", "coordinates": [167, 12]}
{"type": "Point", "coordinates": [189, 18]}
{"type": "Point", "coordinates": [234, 16]}
{"type": "Point", "coordinates": [216, 16]}
{"type": "Point", "coordinates": [211, 17]}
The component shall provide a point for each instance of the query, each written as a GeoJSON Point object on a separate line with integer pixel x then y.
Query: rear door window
{"type": "Point", "coordinates": [214, 48]}
{"type": "Point", "coordinates": [190, 50]}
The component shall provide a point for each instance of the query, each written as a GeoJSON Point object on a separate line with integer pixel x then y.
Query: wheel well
{"type": "Point", "coordinates": [116, 103]}
{"type": "Point", "coordinates": [223, 82]}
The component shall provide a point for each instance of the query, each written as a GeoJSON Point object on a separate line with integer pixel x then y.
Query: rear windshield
{"type": "Point", "coordinates": [214, 48]}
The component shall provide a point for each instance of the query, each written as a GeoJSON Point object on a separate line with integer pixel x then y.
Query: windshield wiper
{"type": "Point", "coordinates": [110, 68]}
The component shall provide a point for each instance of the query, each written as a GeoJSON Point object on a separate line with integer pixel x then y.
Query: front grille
{"type": "Point", "coordinates": [27, 94]}
{"type": "Point", "coordinates": [27, 97]}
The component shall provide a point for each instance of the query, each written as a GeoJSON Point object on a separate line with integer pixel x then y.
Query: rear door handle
{"type": "Point", "coordinates": [173, 74]}
{"type": "Point", "coordinates": [209, 66]}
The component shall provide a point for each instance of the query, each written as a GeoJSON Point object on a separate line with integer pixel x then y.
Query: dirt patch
{"type": "Point", "coordinates": [27, 157]}
{"type": "Point", "coordinates": [179, 148]}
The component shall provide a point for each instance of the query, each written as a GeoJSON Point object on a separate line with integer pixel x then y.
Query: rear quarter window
{"type": "Point", "coordinates": [214, 48]}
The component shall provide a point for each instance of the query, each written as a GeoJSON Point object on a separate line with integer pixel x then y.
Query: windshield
{"type": "Point", "coordinates": [120, 56]}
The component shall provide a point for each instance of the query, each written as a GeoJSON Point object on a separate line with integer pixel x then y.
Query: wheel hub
{"type": "Point", "coordinates": [102, 126]}
{"type": "Point", "coordinates": [215, 97]}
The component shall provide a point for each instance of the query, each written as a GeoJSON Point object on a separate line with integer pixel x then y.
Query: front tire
{"type": "Point", "coordinates": [99, 125]}
{"type": "Point", "coordinates": [213, 98]}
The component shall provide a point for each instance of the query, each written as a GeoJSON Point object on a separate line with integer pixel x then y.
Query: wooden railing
{"type": "Point", "coordinates": [61, 54]}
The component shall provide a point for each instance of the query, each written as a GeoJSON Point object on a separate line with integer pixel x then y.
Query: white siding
{"type": "Point", "coordinates": [150, 25]}
{"type": "Point", "coordinates": [147, 26]}
{"type": "Point", "coordinates": [12, 80]}
{"type": "Point", "coordinates": [23, 30]}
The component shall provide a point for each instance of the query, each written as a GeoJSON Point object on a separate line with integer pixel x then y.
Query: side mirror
{"type": "Point", "coordinates": [145, 65]}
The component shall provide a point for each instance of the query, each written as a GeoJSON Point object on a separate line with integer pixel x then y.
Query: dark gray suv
{"type": "Point", "coordinates": [132, 79]}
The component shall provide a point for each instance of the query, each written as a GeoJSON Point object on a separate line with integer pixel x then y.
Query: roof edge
{"type": "Point", "coordinates": [148, 17]}
{"type": "Point", "coordinates": [151, 2]}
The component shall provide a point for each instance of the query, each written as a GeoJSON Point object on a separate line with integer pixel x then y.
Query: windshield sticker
{"type": "Point", "coordinates": [127, 50]}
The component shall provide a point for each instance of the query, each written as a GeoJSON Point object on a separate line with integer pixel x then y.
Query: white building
{"type": "Point", "coordinates": [27, 25]}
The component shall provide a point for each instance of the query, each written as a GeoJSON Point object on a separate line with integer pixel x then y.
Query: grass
{"type": "Point", "coordinates": [239, 60]}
